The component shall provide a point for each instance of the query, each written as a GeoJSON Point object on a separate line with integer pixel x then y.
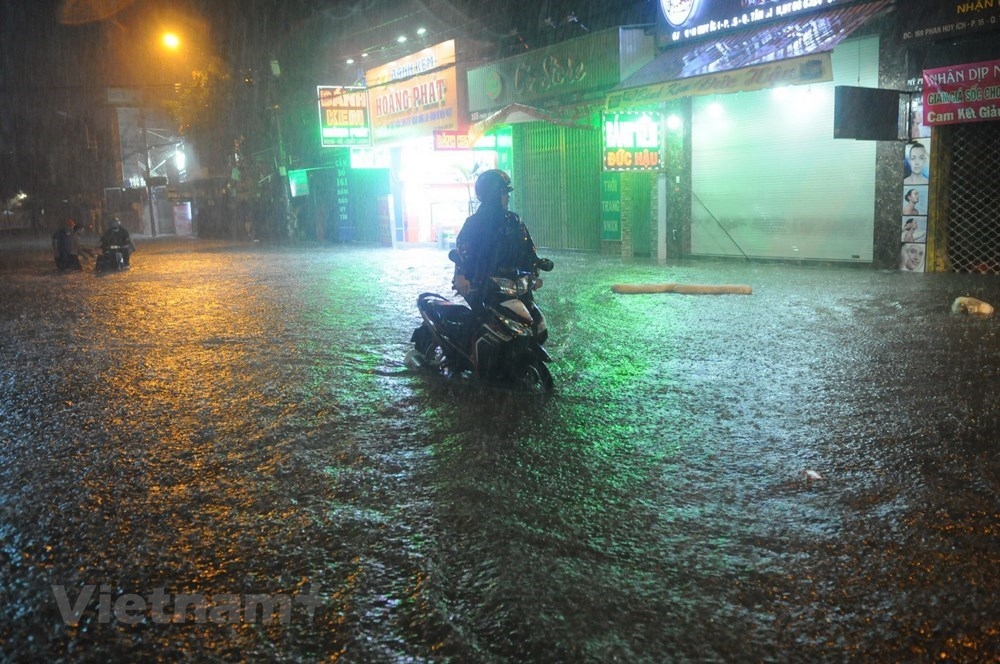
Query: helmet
{"type": "Point", "coordinates": [491, 184]}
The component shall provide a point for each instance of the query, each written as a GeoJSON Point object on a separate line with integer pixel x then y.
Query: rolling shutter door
{"type": "Point", "coordinates": [770, 181]}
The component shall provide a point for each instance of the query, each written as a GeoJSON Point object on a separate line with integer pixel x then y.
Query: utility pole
{"type": "Point", "coordinates": [149, 174]}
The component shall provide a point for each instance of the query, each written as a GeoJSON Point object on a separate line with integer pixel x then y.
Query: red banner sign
{"type": "Point", "coordinates": [962, 93]}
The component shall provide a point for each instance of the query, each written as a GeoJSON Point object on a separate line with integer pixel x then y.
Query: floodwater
{"type": "Point", "coordinates": [808, 473]}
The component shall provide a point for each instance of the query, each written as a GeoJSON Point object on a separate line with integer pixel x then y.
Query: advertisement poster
{"type": "Point", "coordinates": [962, 93]}
{"type": "Point", "coordinates": [915, 202]}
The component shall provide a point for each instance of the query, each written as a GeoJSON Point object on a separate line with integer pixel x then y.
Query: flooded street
{"type": "Point", "coordinates": [808, 473]}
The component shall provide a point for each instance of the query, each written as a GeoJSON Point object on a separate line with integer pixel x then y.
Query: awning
{"type": "Point", "coordinates": [788, 52]}
{"type": "Point", "coordinates": [516, 114]}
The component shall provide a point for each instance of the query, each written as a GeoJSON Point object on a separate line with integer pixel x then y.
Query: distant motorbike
{"type": "Point", "coordinates": [502, 344]}
{"type": "Point", "coordinates": [111, 259]}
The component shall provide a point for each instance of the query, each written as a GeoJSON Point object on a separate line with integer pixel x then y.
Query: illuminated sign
{"type": "Point", "coordinates": [445, 139]}
{"type": "Point", "coordinates": [415, 95]}
{"type": "Point", "coordinates": [962, 93]}
{"type": "Point", "coordinates": [343, 116]}
{"type": "Point", "coordinates": [371, 158]}
{"type": "Point", "coordinates": [631, 141]}
{"type": "Point", "coordinates": [687, 19]}
{"type": "Point", "coordinates": [298, 182]}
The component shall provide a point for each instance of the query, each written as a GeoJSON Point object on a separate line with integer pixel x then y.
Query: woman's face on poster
{"type": "Point", "coordinates": [913, 196]}
{"type": "Point", "coordinates": [918, 159]}
{"type": "Point", "coordinates": [913, 256]}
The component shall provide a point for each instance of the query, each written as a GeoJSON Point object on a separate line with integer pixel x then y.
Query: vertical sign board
{"type": "Point", "coordinates": [343, 116]}
{"type": "Point", "coordinates": [342, 164]}
{"type": "Point", "coordinates": [611, 206]}
{"type": "Point", "coordinates": [631, 141]}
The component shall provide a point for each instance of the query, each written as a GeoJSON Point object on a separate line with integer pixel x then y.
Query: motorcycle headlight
{"type": "Point", "coordinates": [515, 326]}
{"type": "Point", "coordinates": [512, 287]}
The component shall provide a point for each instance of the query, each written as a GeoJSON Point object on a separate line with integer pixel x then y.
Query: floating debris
{"type": "Point", "coordinates": [971, 306]}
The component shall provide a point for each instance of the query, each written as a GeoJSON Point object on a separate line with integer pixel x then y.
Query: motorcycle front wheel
{"type": "Point", "coordinates": [534, 377]}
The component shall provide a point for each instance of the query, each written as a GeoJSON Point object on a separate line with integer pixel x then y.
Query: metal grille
{"type": "Point", "coordinates": [974, 199]}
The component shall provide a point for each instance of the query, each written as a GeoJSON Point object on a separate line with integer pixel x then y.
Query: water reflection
{"type": "Point", "coordinates": [240, 421]}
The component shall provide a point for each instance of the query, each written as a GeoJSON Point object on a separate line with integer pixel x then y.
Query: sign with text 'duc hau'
{"type": "Point", "coordinates": [632, 141]}
{"type": "Point", "coordinates": [343, 116]}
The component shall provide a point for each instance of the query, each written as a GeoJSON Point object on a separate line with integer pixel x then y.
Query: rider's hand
{"type": "Point", "coordinates": [461, 285]}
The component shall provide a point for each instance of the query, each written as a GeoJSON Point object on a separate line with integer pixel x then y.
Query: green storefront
{"type": "Point", "coordinates": [551, 101]}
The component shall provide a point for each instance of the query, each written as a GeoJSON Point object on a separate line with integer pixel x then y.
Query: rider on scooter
{"type": "Point", "coordinates": [118, 236]}
{"type": "Point", "coordinates": [493, 241]}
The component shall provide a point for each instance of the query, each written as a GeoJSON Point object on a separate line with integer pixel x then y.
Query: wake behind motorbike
{"type": "Point", "coordinates": [503, 343]}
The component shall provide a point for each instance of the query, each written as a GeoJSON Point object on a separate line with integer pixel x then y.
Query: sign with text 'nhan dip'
{"type": "Point", "coordinates": [343, 116]}
{"type": "Point", "coordinates": [632, 141]}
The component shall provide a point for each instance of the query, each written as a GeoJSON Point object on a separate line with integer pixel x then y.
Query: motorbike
{"type": "Point", "coordinates": [111, 259]}
{"type": "Point", "coordinates": [501, 344]}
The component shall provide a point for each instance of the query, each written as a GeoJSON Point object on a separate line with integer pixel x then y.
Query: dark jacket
{"type": "Point", "coordinates": [116, 236]}
{"type": "Point", "coordinates": [494, 242]}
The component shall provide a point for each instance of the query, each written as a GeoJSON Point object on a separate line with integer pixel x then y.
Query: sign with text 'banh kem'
{"type": "Point", "coordinates": [631, 141]}
{"type": "Point", "coordinates": [343, 116]}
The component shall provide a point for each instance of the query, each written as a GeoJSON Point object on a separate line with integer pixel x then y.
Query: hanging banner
{"type": "Point", "coordinates": [962, 93]}
{"type": "Point", "coordinates": [816, 68]}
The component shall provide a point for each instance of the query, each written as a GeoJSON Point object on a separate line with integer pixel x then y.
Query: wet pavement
{"type": "Point", "coordinates": [808, 473]}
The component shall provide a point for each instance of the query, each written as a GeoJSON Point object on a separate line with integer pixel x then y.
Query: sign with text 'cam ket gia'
{"type": "Point", "coordinates": [962, 93]}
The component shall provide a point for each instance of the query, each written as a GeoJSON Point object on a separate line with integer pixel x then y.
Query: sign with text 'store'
{"type": "Point", "coordinates": [962, 93]}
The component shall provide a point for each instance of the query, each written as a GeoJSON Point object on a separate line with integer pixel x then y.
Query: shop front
{"type": "Point", "coordinates": [946, 184]}
{"type": "Point", "coordinates": [548, 102]}
{"type": "Point", "coordinates": [751, 168]}
{"type": "Point", "coordinates": [415, 103]}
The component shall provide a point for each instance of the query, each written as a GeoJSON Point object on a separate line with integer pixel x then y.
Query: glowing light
{"type": "Point", "coordinates": [716, 110]}
{"type": "Point", "coordinates": [674, 122]}
{"type": "Point", "coordinates": [171, 41]}
{"type": "Point", "coordinates": [421, 31]}
{"type": "Point", "coordinates": [350, 61]}
{"type": "Point", "coordinates": [401, 39]}
{"type": "Point", "coordinates": [180, 159]}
